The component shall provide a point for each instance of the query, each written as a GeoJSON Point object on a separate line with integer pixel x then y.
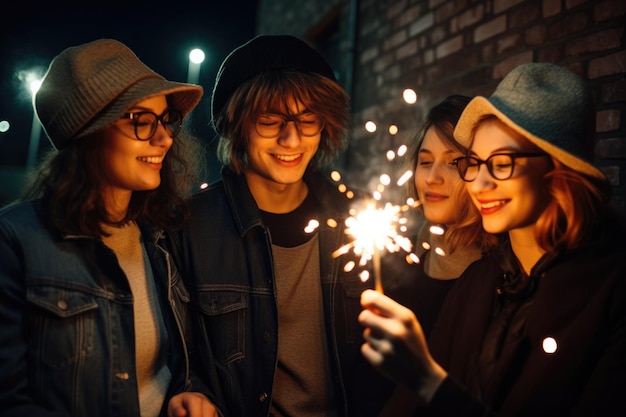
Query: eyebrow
{"type": "Point", "coordinates": [137, 109]}
{"type": "Point", "coordinates": [272, 113]}
{"type": "Point", "coordinates": [447, 151]}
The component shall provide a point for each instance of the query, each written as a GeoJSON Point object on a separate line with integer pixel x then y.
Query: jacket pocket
{"type": "Point", "coordinates": [350, 305]}
{"type": "Point", "coordinates": [223, 318]}
{"type": "Point", "coordinates": [62, 324]}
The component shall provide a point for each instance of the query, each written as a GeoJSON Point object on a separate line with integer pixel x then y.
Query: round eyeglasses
{"type": "Point", "coordinates": [272, 125]}
{"type": "Point", "coordinates": [147, 122]}
{"type": "Point", "coordinates": [499, 165]}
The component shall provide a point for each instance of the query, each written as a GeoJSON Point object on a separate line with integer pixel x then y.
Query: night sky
{"type": "Point", "coordinates": [161, 33]}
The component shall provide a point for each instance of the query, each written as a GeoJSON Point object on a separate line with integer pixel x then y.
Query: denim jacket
{"type": "Point", "coordinates": [229, 272]}
{"type": "Point", "coordinates": [66, 319]}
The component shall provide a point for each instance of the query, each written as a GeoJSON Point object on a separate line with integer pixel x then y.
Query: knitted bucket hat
{"type": "Point", "coordinates": [264, 53]}
{"type": "Point", "coordinates": [88, 87]}
{"type": "Point", "coordinates": [546, 104]}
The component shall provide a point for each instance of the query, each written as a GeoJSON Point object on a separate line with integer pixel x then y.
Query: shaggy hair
{"type": "Point", "coordinates": [273, 92]}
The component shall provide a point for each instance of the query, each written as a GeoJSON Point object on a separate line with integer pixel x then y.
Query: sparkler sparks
{"type": "Point", "coordinates": [374, 229]}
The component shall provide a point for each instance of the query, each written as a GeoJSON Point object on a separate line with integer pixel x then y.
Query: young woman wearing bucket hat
{"type": "Point", "coordinates": [537, 327]}
{"type": "Point", "coordinates": [92, 312]}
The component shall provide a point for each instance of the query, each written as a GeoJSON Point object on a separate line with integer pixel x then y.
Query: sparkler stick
{"type": "Point", "coordinates": [378, 282]}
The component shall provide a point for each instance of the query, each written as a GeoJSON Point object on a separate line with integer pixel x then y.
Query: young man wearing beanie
{"type": "Point", "coordinates": [538, 326]}
{"type": "Point", "coordinates": [276, 312]}
{"type": "Point", "coordinates": [92, 313]}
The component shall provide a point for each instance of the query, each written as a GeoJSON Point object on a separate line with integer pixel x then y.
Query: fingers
{"type": "Point", "coordinates": [372, 355]}
{"type": "Point", "coordinates": [395, 324]}
{"type": "Point", "coordinates": [191, 404]}
{"type": "Point", "coordinates": [390, 329]}
{"type": "Point", "coordinates": [381, 345]}
{"type": "Point", "coordinates": [382, 305]}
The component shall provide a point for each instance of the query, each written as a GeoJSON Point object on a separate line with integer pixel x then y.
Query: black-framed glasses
{"type": "Point", "coordinates": [499, 165]}
{"type": "Point", "coordinates": [272, 125]}
{"type": "Point", "coordinates": [147, 122]}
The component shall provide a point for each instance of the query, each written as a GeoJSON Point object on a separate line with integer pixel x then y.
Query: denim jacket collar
{"type": "Point", "coordinates": [245, 210]}
{"type": "Point", "coordinates": [247, 214]}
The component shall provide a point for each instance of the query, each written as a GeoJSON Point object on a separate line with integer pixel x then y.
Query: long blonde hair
{"type": "Point", "coordinates": [467, 229]}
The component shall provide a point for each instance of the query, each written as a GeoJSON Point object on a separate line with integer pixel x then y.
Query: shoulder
{"type": "Point", "coordinates": [596, 266]}
{"type": "Point", "coordinates": [209, 195]}
{"type": "Point", "coordinates": [488, 264]}
{"type": "Point", "coordinates": [23, 221]}
{"type": "Point", "coordinates": [20, 213]}
{"type": "Point", "coordinates": [480, 276]}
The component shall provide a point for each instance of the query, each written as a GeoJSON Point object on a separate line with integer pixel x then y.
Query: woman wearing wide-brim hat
{"type": "Point", "coordinates": [538, 327]}
{"type": "Point", "coordinates": [92, 312]}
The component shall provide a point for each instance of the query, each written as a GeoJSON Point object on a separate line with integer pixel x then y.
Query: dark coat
{"type": "Point", "coordinates": [578, 299]}
{"type": "Point", "coordinates": [226, 258]}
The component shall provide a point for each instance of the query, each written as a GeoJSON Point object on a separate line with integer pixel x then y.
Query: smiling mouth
{"type": "Point", "coordinates": [434, 196]}
{"type": "Point", "coordinates": [287, 158]}
{"type": "Point", "coordinates": [492, 204]}
{"type": "Point", "coordinates": [151, 159]}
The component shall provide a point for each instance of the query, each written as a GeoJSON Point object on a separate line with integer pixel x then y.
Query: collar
{"type": "Point", "coordinates": [247, 215]}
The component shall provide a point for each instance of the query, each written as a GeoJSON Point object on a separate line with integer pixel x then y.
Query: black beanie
{"type": "Point", "coordinates": [263, 53]}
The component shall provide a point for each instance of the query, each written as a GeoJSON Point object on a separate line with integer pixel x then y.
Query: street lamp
{"type": "Point", "coordinates": [196, 57]}
{"type": "Point", "coordinates": [35, 130]}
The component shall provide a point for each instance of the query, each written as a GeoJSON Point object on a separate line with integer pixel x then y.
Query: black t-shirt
{"type": "Point", "coordinates": [288, 229]}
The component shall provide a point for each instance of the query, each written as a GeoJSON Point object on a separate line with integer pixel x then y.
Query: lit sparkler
{"type": "Point", "coordinates": [374, 229]}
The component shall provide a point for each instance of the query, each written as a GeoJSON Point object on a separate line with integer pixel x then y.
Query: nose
{"type": "Point", "coordinates": [161, 137]}
{"type": "Point", "coordinates": [434, 174]}
{"type": "Point", "coordinates": [290, 136]}
{"type": "Point", "coordinates": [483, 181]}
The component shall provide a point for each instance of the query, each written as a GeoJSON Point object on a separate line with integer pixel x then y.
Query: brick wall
{"type": "Point", "coordinates": [437, 48]}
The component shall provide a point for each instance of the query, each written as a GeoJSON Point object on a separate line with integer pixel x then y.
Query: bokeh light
{"type": "Point", "coordinates": [549, 345]}
{"type": "Point", "coordinates": [409, 95]}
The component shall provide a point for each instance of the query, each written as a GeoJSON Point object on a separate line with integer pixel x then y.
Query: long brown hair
{"type": "Point", "coordinates": [70, 181]}
{"type": "Point", "coordinates": [273, 91]}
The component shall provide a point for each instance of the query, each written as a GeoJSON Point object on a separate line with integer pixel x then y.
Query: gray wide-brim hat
{"type": "Point", "coordinates": [89, 87]}
{"type": "Point", "coordinates": [264, 53]}
{"type": "Point", "coordinates": [547, 104]}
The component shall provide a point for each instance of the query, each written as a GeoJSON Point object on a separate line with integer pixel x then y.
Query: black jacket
{"type": "Point", "coordinates": [575, 302]}
{"type": "Point", "coordinates": [227, 264]}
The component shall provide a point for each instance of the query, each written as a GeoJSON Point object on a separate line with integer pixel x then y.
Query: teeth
{"type": "Point", "coordinates": [287, 158]}
{"type": "Point", "coordinates": [492, 204]}
{"type": "Point", "coordinates": [151, 159]}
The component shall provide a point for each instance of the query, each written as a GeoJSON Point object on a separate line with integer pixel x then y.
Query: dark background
{"type": "Point", "coordinates": [161, 33]}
